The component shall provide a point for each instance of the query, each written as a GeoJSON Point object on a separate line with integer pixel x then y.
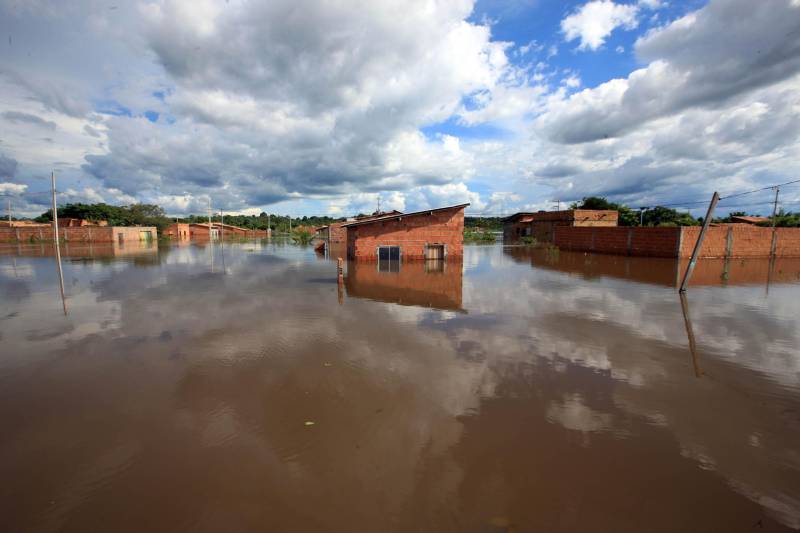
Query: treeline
{"type": "Point", "coordinates": [278, 223]}
{"type": "Point", "coordinates": [154, 215]}
{"type": "Point", "coordinates": [653, 216]}
{"type": "Point", "coordinates": [125, 215]}
{"type": "Point", "coordinates": [483, 223]}
{"type": "Point", "coordinates": [665, 216]}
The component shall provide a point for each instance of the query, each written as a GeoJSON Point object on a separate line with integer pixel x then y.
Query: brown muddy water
{"type": "Point", "coordinates": [194, 389]}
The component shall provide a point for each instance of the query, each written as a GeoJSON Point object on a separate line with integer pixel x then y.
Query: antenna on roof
{"type": "Point", "coordinates": [379, 205]}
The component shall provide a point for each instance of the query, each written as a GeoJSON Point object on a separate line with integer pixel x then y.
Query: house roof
{"type": "Point", "coordinates": [401, 215]}
{"type": "Point", "coordinates": [517, 215]}
{"type": "Point", "coordinates": [749, 220]}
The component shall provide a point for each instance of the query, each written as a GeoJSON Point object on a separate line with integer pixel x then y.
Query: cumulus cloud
{"type": "Point", "coordinates": [704, 59]}
{"type": "Point", "coordinates": [594, 21]}
{"type": "Point", "coordinates": [12, 188]}
{"type": "Point", "coordinates": [275, 105]}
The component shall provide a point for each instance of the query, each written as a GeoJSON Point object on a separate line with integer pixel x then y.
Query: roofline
{"type": "Point", "coordinates": [521, 213]}
{"type": "Point", "coordinates": [401, 215]}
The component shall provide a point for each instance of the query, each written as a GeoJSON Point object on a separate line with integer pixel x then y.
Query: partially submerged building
{"type": "Point", "coordinates": [429, 234]}
{"type": "Point", "coordinates": [212, 231]}
{"type": "Point", "coordinates": [86, 233]}
{"type": "Point", "coordinates": [542, 224]}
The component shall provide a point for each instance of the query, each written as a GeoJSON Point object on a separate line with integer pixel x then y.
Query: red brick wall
{"type": "Point", "coordinates": [647, 242]}
{"type": "Point", "coordinates": [542, 225]}
{"type": "Point", "coordinates": [336, 233]}
{"type": "Point", "coordinates": [74, 234]}
{"type": "Point", "coordinates": [745, 241]}
{"type": "Point", "coordinates": [411, 233]}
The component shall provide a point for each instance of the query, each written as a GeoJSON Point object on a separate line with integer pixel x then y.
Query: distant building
{"type": "Point", "coordinates": [430, 234]}
{"type": "Point", "coordinates": [213, 231]}
{"type": "Point", "coordinates": [80, 222]}
{"type": "Point", "coordinates": [74, 233]}
{"type": "Point", "coordinates": [22, 224]}
{"type": "Point", "coordinates": [749, 220]}
{"type": "Point", "coordinates": [541, 225]}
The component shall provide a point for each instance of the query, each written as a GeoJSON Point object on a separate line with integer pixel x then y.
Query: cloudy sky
{"type": "Point", "coordinates": [319, 107]}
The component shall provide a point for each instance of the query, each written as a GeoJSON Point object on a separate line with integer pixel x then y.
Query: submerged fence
{"type": "Point", "coordinates": [734, 240]}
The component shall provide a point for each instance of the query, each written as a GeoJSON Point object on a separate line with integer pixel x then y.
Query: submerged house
{"type": "Point", "coordinates": [541, 225]}
{"type": "Point", "coordinates": [430, 234]}
{"type": "Point", "coordinates": [212, 231]}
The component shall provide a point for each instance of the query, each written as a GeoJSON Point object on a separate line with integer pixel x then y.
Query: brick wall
{"type": "Point", "coordinates": [413, 284]}
{"type": "Point", "coordinates": [75, 234]}
{"type": "Point", "coordinates": [336, 233]}
{"type": "Point", "coordinates": [542, 225]}
{"type": "Point", "coordinates": [645, 242]}
{"type": "Point", "coordinates": [742, 240]}
{"type": "Point", "coordinates": [412, 233]}
{"type": "Point", "coordinates": [735, 240]}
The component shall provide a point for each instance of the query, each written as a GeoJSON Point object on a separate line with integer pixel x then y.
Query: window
{"type": "Point", "coordinates": [388, 259]}
{"type": "Point", "coordinates": [434, 251]}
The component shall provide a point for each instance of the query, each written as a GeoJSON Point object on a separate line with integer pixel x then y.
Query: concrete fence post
{"type": "Point", "coordinates": [630, 240]}
{"type": "Point", "coordinates": [729, 243]}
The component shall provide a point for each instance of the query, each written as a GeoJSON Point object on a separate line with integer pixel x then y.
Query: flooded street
{"type": "Point", "coordinates": [191, 388]}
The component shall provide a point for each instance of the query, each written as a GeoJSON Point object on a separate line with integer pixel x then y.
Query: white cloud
{"type": "Point", "coordinates": [593, 22]}
{"type": "Point", "coordinates": [12, 188]}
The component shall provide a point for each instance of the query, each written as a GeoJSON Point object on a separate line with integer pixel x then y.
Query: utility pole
{"type": "Point", "coordinates": [210, 234]}
{"type": "Point", "coordinates": [290, 224]}
{"type": "Point", "coordinates": [9, 211]}
{"type": "Point", "coordinates": [55, 240]}
{"type": "Point", "coordinates": [379, 205]}
{"type": "Point", "coordinates": [641, 216]}
{"type": "Point", "coordinates": [269, 226]}
{"type": "Point", "coordinates": [774, 244]}
{"type": "Point", "coordinates": [698, 245]}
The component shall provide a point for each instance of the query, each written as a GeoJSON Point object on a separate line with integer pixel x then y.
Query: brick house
{"type": "Point", "coordinates": [214, 231]}
{"type": "Point", "coordinates": [541, 225]}
{"type": "Point", "coordinates": [430, 234]}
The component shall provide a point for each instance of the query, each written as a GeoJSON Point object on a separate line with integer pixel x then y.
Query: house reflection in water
{"type": "Point", "coordinates": [661, 271]}
{"type": "Point", "coordinates": [436, 284]}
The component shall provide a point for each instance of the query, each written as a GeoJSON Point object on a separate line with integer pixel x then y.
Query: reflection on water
{"type": "Point", "coordinates": [433, 283]}
{"type": "Point", "coordinates": [172, 398]}
{"type": "Point", "coordinates": [662, 271]}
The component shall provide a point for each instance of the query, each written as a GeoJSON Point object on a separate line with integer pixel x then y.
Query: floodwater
{"type": "Point", "coordinates": [201, 389]}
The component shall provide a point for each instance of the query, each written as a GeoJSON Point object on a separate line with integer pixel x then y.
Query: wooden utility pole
{"type": "Point", "coordinates": [55, 240]}
{"type": "Point", "coordinates": [290, 224]}
{"type": "Point", "coordinates": [269, 226]}
{"type": "Point", "coordinates": [699, 244]}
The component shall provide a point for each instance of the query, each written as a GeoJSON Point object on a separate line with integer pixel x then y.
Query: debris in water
{"type": "Point", "coordinates": [309, 422]}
